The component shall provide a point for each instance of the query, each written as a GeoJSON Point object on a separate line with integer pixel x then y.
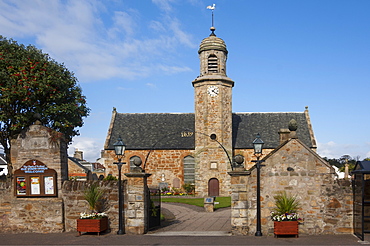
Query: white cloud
{"type": "Point", "coordinates": [336, 150]}
{"type": "Point", "coordinates": [77, 34]}
{"type": "Point", "coordinates": [151, 85]}
{"type": "Point", "coordinates": [157, 26]}
{"type": "Point", "coordinates": [164, 5]}
{"type": "Point", "coordinates": [173, 69]}
{"type": "Point", "coordinates": [125, 22]}
{"type": "Point", "coordinates": [90, 147]}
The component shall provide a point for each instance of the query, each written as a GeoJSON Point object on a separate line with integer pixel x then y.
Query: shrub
{"type": "Point", "coordinates": [93, 194]}
{"type": "Point", "coordinates": [189, 188]}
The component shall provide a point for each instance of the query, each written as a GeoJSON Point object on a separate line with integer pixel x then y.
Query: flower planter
{"type": "Point", "coordinates": [286, 228]}
{"type": "Point", "coordinates": [92, 225]}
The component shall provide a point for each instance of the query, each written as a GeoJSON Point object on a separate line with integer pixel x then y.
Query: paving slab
{"type": "Point", "coordinates": [193, 219]}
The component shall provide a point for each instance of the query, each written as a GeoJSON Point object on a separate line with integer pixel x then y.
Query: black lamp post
{"type": "Point", "coordinates": [258, 145]}
{"type": "Point", "coordinates": [119, 149]}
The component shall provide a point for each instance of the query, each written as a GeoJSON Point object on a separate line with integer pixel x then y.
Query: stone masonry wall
{"type": "Point", "coordinates": [74, 203]}
{"type": "Point", "coordinates": [239, 202]}
{"type": "Point", "coordinates": [326, 204]}
{"type": "Point", "coordinates": [45, 215]}
{"type": "Point", "coordinates": [22, 215]}
{"type": "Point", "coordinates": [43, 144]}
{"type": "Point", "coordinates": [5, 207]}
{"type": "Point", "coordinates": [167, 162]}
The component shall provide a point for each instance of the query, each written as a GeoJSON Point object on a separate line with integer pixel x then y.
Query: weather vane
{"type": "Point", "coordinates": [212, 8]}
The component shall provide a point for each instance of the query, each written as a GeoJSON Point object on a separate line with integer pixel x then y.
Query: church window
{"type": "Point", "coordinates": [212, 64]}
{"type": "Point", "coordinates": [189, 170]}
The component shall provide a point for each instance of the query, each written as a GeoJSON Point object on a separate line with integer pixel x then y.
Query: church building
{"type": "Point", "coordinates": [200, 148]}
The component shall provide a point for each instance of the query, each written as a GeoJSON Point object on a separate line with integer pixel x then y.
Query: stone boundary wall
{"type": "Point", "coordinates": [74, 203]}
{"type": "Point", "coordinates": [338, 209]}
{"type": "Point", "coordinates": [5, 206]}
{"type": "Point", "coordinates": [327, 204]}
{"type": "Point", "coordinates": [21, 215]}
{"type": "Point", "coordinates": [56, 214]}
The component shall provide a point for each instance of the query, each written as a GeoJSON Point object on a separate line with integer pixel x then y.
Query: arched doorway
{"type": "Point", "coordinates": [213, 187]}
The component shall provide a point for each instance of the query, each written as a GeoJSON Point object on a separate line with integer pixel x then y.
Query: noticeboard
{"type": "Point", "coordinates": [35, 179]}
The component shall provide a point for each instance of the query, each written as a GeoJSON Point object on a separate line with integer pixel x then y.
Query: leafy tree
{"type": "Point", "coordinates": [340, 162]}
{"type": "Point", "coordinates": [32, 83]}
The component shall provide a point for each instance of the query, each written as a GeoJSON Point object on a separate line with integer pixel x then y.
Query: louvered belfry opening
{"type": "Point", "coordinates": [212, 64]}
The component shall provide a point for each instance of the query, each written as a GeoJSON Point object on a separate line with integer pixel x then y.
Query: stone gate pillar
{"type": "Point", "coordinates": [40, 165]}
{"type": "Point", "coordinates": [239, 202]}
{"type": "Point", "coordinates": [136, 211]}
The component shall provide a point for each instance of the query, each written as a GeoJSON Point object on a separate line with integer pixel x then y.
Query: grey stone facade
{"type": "Point", "coordinates": [326, 203]}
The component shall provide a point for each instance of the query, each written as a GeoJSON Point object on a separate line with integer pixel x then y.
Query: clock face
{"type": "Point", "coordinates": [213, 91]}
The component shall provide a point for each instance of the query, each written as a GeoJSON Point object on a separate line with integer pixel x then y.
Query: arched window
{"type": "Point", "coordinates": [212, 64]}
{"type": "Point", "coordinates": [189, 170]}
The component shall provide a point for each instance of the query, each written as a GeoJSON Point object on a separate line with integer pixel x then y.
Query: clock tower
{"type": "Point", "coordinates": [213, 119]}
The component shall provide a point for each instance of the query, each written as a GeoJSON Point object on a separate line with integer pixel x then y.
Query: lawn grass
{"type": "Point", "coordinates": [224, 202]}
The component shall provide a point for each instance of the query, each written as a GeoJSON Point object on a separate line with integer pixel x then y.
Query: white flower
{"type": "Point", "coordinates": [92, 215]}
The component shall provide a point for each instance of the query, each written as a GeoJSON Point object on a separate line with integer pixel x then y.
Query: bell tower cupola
{"type": "Point", "coordinates": [213, 55]}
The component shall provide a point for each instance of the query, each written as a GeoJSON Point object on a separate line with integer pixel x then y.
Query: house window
{"type": "Point", "coordinates": [189, 170]}
{"type": "Point", "coordinates": [212, 64]}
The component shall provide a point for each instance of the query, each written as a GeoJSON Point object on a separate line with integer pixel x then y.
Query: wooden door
{"type": "Point", "coordinates": [213, 187]}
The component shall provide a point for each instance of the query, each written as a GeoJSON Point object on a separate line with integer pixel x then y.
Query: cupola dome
{"type": "Point", "coordinates": [212, 43]}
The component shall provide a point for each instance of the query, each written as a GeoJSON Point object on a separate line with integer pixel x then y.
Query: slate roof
{"type": "Point", "coordinates": [362, 167]}
{"type": "Point", "coordinates": [77, 162]}
{"type": "Point", "coordinates": [163, 130]}
{"type": "Point", "coordinates": [247, 125]}
{"type": "Point", "coordinates": [152, 131]}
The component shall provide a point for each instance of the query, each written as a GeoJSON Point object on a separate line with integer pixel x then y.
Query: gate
{"type": "Point", "coordinates": [154, 207]}
{"type": "Point", "coordinates": [361, 199]}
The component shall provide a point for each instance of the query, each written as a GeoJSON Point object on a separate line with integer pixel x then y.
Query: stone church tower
{"type": "Point", "coordinates": [213, 119]}
{"type": "Point", "coordinates": [198, 148]}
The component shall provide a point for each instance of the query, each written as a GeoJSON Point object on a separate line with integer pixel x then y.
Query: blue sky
{"type": "Point", "coordinates": [141, 57]}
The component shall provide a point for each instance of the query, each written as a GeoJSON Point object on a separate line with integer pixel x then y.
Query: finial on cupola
{"type": "Point", "coordinates": [213, 29]}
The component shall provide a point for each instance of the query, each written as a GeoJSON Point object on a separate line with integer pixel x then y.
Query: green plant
{"type": "Point", "coordinates": [33, 84]}
{"type": "Point", "coordinates": [189, 188]}
{"type": "Point", "coordinates": [110, 178]}
{"type": "Point", "coordinates": [286, 207]}
{"type": "Point", "coordinates": [93, 194]}
{"type": "Point", "coordinates": [223, 202]}
{"type": "Point", "coordinates": [286, 203]}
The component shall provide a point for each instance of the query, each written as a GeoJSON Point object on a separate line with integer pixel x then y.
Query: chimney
{"type": "Point", "coordinates": [78, 154]}
{"type": "Point", "coordinates": [284, 134]}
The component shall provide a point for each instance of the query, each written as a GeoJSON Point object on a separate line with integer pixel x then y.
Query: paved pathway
{"type": "Point", "coordinates": [183, 219]}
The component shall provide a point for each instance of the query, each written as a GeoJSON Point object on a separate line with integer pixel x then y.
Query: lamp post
{"type": "Point", "coordinates": [119, 149]}
{"type": "Point", "coordinates": [258, 145]}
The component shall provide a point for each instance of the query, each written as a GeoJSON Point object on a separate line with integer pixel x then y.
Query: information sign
{"type": "Point", "coordinates": [34, 178]}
